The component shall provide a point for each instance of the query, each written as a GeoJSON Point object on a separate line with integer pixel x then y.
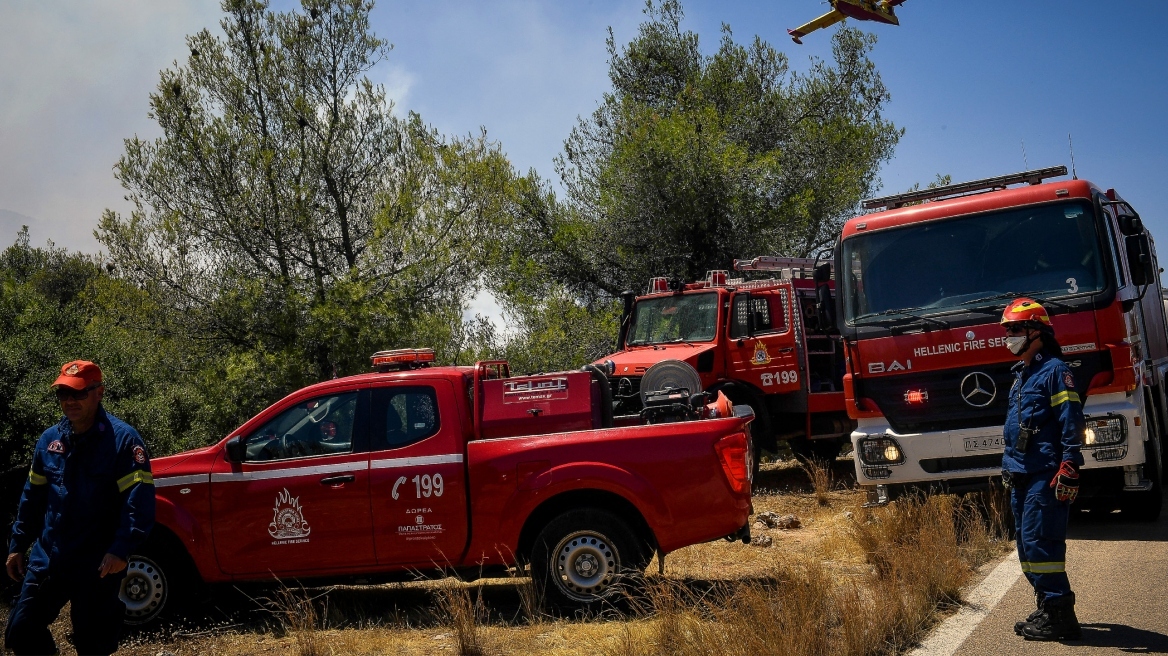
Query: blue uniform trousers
{"type": "Point", "coordinates": [97, 612]}
{"type": "Point", "coordinates": [1040, 523]}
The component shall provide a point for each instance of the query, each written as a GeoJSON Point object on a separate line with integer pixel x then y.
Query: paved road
{"type": "Point", "coordinates": [1119, 571]}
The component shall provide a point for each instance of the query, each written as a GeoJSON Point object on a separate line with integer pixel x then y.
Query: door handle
{"type": "Point", "coordinates": [338, 480]}
{"type": "Point", "coordinates": [787, 350]}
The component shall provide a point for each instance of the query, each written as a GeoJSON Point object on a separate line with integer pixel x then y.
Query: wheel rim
{"type": "Point", "coordinates": [143, 590]}
{"type": "Point", "coordinates": [586, 566]}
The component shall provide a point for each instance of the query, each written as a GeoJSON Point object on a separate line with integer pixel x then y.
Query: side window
{"type": "Point", "coordinates": [740, 317]}
{"type": "Point", "coordinates": [767, 312]}
{"type": "Point", "coordinates": [321, 426]}
{"type": "Point", "coordinates": [1109, 228]}
{"type": "Point", "coordinates": [779, 311]}
{"type": "Point", "coordinates": [402, 416]}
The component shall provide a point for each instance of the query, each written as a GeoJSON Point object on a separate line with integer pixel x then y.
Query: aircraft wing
{"type": "Point", "coordinates": [827, 20]}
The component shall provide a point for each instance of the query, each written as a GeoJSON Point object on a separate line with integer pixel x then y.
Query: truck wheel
{"type": "Point", "coordinates": [1145, 506]}
{"type": "Point", "coordinates": [587, 560]}
{"type": "Point", "coordinates": [158, 584]}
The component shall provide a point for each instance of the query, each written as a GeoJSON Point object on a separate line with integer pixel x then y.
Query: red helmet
{"type": "Point", "coordinates": [1026, 310]}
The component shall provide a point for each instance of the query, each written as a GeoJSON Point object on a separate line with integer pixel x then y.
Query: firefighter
{"type": "Point", "coordinates": [1040, 466]}
{"type": "Point", "coordinates": [87, 504]}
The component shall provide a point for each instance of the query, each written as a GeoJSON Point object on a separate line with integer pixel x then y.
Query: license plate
{"type": "Point", "coordinates": [983, 443]}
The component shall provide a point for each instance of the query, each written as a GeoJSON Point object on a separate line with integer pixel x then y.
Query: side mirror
{"type": "Point", "coordinates": [1130, 224]}
{"type": "Point", "coordinates": [825, 308]}
{"type": "Point", "coordinates": [236, 451]}
{"type": "Point", "coordinates": [1139, 259]}
{"type": "Point", "coordinates": [627, 298]}
{"type": "Point", "coordinates": [823, 273]}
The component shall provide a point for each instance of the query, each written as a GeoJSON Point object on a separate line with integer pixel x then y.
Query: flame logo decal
{"type": "Point", "coordinates": [288, 518]}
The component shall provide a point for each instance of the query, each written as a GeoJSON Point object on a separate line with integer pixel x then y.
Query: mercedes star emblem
{"type": "Point", "coordinates": [978, 389]}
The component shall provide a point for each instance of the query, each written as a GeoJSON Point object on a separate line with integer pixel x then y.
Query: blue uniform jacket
{"type": "Point", "coordinates": [86, 498]}
{"type": "Point", "coordinates": [1045, 400]}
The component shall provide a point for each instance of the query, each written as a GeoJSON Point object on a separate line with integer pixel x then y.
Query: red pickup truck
{"type": "Point", "coordinates": [462, 470]}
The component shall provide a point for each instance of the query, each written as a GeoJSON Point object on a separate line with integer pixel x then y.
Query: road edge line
{"type": "Point", "coordinates": [952, 633]}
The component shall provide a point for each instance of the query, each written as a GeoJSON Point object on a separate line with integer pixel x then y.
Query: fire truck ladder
{"type": "Point", "coordinates": [962, 188]}
{"type": "Point", "coordinates": [788, 267]}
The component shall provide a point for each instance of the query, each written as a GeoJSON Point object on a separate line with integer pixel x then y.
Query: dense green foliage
{"type": "Point", "coordinates": [286, 224]}
{"type": "Point", "coordinates": [53, 309]}
{"type": "Point", "coordinates": [693, 160]}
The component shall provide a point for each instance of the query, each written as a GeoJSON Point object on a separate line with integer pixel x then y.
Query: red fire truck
{"type": "Point", "coordinates": [764, 343]}
{"type": "Point", "coordinates": [922, 287]}
{"type": "Point", "coordinates": [461, 470]}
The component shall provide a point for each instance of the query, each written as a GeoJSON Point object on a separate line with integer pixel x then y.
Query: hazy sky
{"type": "Point", "coordinates": [969, 81]}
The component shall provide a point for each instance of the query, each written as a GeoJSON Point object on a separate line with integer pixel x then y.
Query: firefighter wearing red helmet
{"type": "Point", "coordinates": [1040, 466]}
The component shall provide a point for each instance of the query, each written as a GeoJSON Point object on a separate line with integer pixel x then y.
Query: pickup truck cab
{"type": "Point", "coordinates": [462, 470]}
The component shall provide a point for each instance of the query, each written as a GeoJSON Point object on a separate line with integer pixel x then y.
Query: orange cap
{"type": "Point", "coordinates": [78, 375]}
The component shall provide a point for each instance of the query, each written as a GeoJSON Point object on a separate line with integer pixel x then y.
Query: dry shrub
{"type": "Point", "coordinates": [819, 474]}
{"type": "Point", "coordinates": [919, 551]}
{"type": "Point", "coordinates": [531, 601]}
{"type": "Point", "coordinates": [298, 613]}
{"type": "Point", "coordinates": [464, 616]}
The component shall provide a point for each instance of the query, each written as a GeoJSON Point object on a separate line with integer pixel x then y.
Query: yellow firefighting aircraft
{"type": "Point", "coordinates": [880, 11]}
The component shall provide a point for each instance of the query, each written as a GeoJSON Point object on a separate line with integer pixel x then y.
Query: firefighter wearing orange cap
{"type": "Point", "coordinates": [1043, 437]}
{"type": "Point", "coordinates": [87, 504]}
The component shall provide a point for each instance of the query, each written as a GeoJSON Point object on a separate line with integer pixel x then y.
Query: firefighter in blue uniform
{"type": "Point", "coordinates": [1040, 466]}
{"type": "Point", "coordinates": [88, 503]}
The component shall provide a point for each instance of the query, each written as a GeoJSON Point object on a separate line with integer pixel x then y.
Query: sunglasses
{"type": "Point", "coordinates": [63, 393]}
{"type": "Point", "coordinates": [1016, 331]}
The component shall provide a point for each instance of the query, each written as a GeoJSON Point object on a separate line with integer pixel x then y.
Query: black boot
{"type": "Point", "coordinates": [1039, 596]}
{"type": "Point", "coordinates": [1057, 621]}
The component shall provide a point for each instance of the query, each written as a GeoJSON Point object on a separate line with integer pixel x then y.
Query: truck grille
{"type": "Point", "coordinates": [945, 408]}
{"type": "Point", "coordinates": [966, 463]}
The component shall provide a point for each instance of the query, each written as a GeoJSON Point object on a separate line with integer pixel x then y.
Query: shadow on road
{"type": "Point", "coordinates": [1102, 524]}
{"type": "Point", "coordinates": [1124, 638]}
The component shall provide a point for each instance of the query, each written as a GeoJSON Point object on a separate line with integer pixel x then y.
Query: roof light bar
{"type": "Point", "coordinates": [1001, 182]}
{"type": "Point", "coordinates": [402, 359]}
{"type": "Point", "coordinates": [658, 285]}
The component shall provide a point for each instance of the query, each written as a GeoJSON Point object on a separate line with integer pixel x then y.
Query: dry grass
{"type": "Point", "coordinates": [851, 581]}
{"type": "Point", "coordinates": [464, 616]}
{"type": "Point", "coordinates": [819, 474]}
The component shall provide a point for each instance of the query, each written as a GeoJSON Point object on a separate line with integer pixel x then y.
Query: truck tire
{"type": "Point", "coordinates": [587, 560]}
{"type": "Point", "coordinates": [159, 584]}
{"type": "Point", "coordinates": [1145, 506]}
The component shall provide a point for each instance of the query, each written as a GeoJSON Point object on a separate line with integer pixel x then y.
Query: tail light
{"type": "Point", "coordinates": [737, 461]}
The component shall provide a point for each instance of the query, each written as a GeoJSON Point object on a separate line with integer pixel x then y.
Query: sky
{"type": "Point", "coordinates": [974, 85]}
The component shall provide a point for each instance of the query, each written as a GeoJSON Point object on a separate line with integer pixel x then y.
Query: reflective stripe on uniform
{"type": "Point", "coordinates": [1055, 567]}
{"type": "Point", "coordinates": [137, 476]}
{"type": "Point", "coordinates": [1063, 397]}
{"type": "Point", "coordinates": [36, 479]}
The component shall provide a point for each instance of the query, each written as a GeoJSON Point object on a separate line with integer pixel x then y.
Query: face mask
{"type": "Point", "coordinates": [1018, 344]}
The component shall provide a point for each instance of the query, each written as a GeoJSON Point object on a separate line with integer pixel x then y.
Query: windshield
{"type": "Point", "coordinates": [675, 318]}
{"type": "Point", "coordinates": [1051, 250]}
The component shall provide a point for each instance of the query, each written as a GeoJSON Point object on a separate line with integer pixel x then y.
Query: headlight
{"type": "Point", "coordinates": [1103, 431]}
{"type": "Point", "coordinates": [880, 451]}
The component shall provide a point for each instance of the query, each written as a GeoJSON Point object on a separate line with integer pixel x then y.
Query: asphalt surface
{"type": "Point", "coordinates": [1119, 572]}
